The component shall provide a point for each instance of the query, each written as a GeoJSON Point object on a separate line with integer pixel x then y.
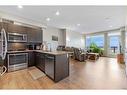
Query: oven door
{"type": "Point", "coordinates": [17, 61]}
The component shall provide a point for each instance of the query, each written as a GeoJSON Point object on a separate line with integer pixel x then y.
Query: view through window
{"type": "Point", "coordinates": [114, 43]}
{"type": "Point", "coordinates": [98, 40]}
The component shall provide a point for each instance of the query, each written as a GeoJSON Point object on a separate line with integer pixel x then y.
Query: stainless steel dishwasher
{"type": "Point", "coordinates": [49, 65]}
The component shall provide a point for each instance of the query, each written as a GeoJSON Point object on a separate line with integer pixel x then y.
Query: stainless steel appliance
{"type": "Point", "coordinates": [49, 66]}
{"type": "Point", "coordinates": [3, 70]}
{"type": "Point", "coordinates": [3, 50]}
{"type": "Point", "coordinates": [17, 61]}
{"type": "Point", "coordinates": [16, 37]}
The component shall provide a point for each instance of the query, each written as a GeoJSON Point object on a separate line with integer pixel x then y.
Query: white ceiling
{"type": "Point", "coordinates": [90, 18]}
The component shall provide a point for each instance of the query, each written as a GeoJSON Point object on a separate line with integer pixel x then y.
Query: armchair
{"type": "Point", "coordinates": [79, 55]}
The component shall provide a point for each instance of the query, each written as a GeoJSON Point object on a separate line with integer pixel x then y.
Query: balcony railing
{"type": "Point", "coordinates": [114, 49]}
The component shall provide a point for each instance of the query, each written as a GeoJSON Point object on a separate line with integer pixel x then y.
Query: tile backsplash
{"type": "Point", "coordinates": [16, 46]}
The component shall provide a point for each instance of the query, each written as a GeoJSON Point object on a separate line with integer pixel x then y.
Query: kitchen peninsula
{"type": "Point", "coordinates": [54, 64]}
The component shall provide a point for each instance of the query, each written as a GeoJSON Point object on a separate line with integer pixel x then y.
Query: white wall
{"type": "Point", "coordinates": [51, 31]}
{"type": "Point", "coordinates": [126, 45]}
{"type": "Point", "coordinates": [65, 37]}
{"type": "Point", "coordinates": [75, 39]}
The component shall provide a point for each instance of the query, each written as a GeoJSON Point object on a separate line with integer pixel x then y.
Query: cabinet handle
{"type": "Point", "coordinates": [48, 57]}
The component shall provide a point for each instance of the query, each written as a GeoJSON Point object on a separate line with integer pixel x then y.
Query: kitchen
{"type": "Point", "coordinates": [22, 48]}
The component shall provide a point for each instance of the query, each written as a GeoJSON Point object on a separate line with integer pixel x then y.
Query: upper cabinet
{"type": "Point", "coordinates": [34, 35]}
{"type": "Point", "coordinates": [16, 28]}
{"type": "Point", "coordinates": [3, 25]}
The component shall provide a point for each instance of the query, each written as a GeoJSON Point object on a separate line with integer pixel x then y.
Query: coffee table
{"type": "Point", "coordinates": [93, 56]}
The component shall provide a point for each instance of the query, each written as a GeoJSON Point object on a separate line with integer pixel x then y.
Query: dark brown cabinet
{"type": "Point", "coordinates": [0, 26]}
{"type": "Point", "coordinates": [40, 61]}
{"type": "Point", "coordinates": [34, 35]}
{"type": "Point", "coordinates": [61, 67]}
{"type": "Point", "coordinates": [38, 36]}
{"type": "Point", "coordinates": [31, 59]}
{"type": "Point", "coordinates": [4, 25]}
{"type": "Point", "coordinates": [13, 28]}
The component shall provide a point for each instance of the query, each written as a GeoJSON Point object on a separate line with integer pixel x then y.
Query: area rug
{"type": "Point", "coordinates": [36, 73]}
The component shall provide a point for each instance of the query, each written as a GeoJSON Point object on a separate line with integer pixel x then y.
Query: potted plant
{"type": "Point", "coordinates": [120, 56]}
{"type": "Point", "coordinates": [95, 49]}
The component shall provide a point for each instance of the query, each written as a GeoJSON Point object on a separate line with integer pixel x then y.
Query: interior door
{"type": "Point", "coordinates": [113, 45]}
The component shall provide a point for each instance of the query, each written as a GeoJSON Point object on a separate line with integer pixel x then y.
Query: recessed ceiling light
{"type": "Point", "coordinates": [20, 6]}
{"type": "Point", "coordinates": [78, 24]}
{"type": "Point", "coordinates": [57, 13]}
{"type": "Point", "coordinates": [48, 19]}
{"type": "Point", "coordinates": [110, 26]}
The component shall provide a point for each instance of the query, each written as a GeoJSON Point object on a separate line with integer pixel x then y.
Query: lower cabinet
{"type": "Point", "coordinates": [31, 59]}
{"type": "Point", "coordinates": [40, 61]}
{"type": "Point", "coordinates": [54, 66]}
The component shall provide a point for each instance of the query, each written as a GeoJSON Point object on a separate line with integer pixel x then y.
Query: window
{"type": "Point", "coordinates": [98, 40]}
{"type": "Point", "coordinates": [114, 42]}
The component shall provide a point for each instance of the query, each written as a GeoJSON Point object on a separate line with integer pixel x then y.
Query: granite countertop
{"type": "Point", "coordinates": [41, 51]}
{"type": "Point", "coordinates": [22, 51]}
{"type": "Point", "coordinates": [53, 52]}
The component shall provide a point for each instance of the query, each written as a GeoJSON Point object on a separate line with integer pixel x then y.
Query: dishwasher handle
{"type": "Point", "coordinates": [49, 57]}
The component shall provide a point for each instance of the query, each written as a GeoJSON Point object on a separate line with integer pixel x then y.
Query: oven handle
{"type": "Point", "coordinates": [19, 54]}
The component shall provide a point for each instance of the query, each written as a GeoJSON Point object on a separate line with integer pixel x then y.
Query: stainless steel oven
{"type": "Point", "coordinates": [16, 37]}
{"type": "Point", "coordinates": [17, 61]}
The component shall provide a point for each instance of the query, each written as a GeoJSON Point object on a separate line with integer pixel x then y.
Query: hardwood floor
{"type": "Point", "coordinates": [104, 73]}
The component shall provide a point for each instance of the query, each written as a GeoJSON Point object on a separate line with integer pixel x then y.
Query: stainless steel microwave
{"type": "Point", "coordinates": [16, 37]}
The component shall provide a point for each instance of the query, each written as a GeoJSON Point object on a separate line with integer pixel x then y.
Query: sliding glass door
{"type": "Point", "coordinates": [113, 44]}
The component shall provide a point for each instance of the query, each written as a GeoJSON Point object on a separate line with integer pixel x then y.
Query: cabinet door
{"type": "Point", "coordinates": [34, 35]}
{"type": "Point", "coordinates": [0, 26]}
{"type": "Point", "coordinates": [38, 36]}
{"type": "Point", "coordinates": [37, 59]}
{"type": "Point", "coordinates": [16, 29]}
{"type": "Point", "coordinates": [4, 25]}
{"type": "Point", "coordinates": [31, 61]}
{"type": "Point", "coordinates": [40, 61]}
{"type": "Point", "coordinates": [49, 66]}
{"type": "Point", "coordinates": [31, 35]}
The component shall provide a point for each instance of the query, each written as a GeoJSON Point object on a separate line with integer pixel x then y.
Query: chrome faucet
{"type": "Point", "coordinates": [49, 47]}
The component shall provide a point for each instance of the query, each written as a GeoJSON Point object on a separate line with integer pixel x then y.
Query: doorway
{"type": "Point", "coordinates": [113, 45]}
